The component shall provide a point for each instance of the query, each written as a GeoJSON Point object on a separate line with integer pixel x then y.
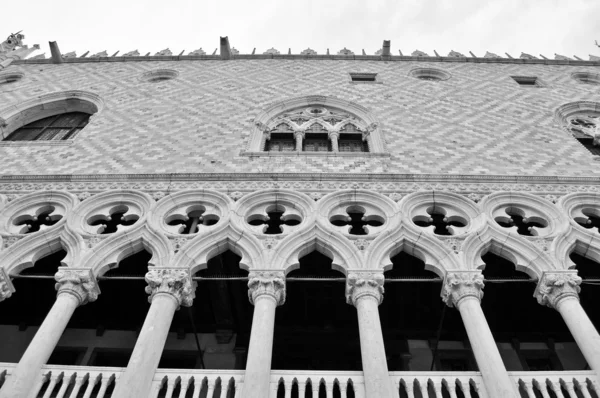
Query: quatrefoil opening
{"type": "Point", "coordinates": [117, 219]}
{"type": "Point", "coordinates": [440, 222]}
{"type": "Point", "coordinates": [44, 218]}
{"type": "Point", "coordinates": [591, 219]}
{"type": "Point", "coordinates": [275, 220]}
{"type": "Point", "coordinates": [357, 221]}
{"type": "Point", "coordinates": [191, 220]}
{"type": "Point", "coordinates": [520, 223]}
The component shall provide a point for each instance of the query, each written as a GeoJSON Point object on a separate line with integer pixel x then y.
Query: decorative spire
{"type": "Point", "coordinates": [562, 57]}
{"type": "Point", "coordinates": [272, 51]}
{"type": "Point", "coordinates": [165, 52]}
{"type": "Point", "coordinates": [527, 56]}
{"type": "Point", "coordinates": [345, 51]}
{"type": "Point", "coordinates": [418, 53]}
{"type": "Point", "coordinates": [456, 54]}
{"type": "Point", "coordinates": [491, 55]}
{"type": "Point", "coordinates": [199, 51]}
{"type": "Point", "coordinates": [13, 41]}
{"type": "Point", "coordinates": [101, 54]}
{"type": "Point", "coordinates": [134, 53]}
{"type": "Point", "coordinates": [71, 54]}
{"type": "Point", "coordinates": [309, 51]}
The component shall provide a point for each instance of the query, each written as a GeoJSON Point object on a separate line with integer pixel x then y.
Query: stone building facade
{"type": "Point", "coordinates": [459, 164]}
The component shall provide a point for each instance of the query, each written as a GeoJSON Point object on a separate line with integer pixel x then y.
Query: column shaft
{"type": "Point", "coordinates": [28, 371]}
{"type": "Point", "coordinates": [260, 349]}
{"type": "Point", "coordinates": [582, 329]}
{"type": "Point", "coordinates": [372, 350]}
{"type": "Point", "coordinates": [497, 382]}
{"type": "Point", "coordinates": [136, 382]}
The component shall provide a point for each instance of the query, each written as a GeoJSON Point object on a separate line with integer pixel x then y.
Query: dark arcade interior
{"type": "Point", "coordinates": [315, 329]}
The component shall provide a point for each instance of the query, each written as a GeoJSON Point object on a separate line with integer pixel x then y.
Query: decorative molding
{"type": "Point", "coordinates": [267, 283]}
{"type": "Point", "coordinates": [453, 243]}
{"type": "Point", "coordinates": [368, 284]}
{"type": "Point", "coordinates": [270, 243]}
{"type": "Point", "coordinates": [362, 244]}
{"type": "Point", "coordinates": [11, 240]}
{"type": "Point", "coordinates": [461, 284]}
{"type": "Point", "coordinates": [555, 286]}
{"type": "Point", "coordinates": [79, 282]}
{"type": "Point", "coordinates": [175, 282]}
{"type": "Point", "coordinates": [6, 286]}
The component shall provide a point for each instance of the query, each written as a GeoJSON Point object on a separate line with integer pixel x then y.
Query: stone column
{"type": "Point", "coordinates": [560, 290]}
{"type": "Point", "coordinates": [334, 137]}
{"type": "Point", "coordinates": [365, 292]}
{"type": "Point", "coordinates": [299, 135]}
{"type": "Point", "coordinates": [168, 289]}
{"type": "Point", "coordinates": [266, 290]}
{"type": "Point", "coordinates": [6, 286]}
{"type": "Point", "coordinates": [464, 290]}
{"type": "Point", "coordinates": [75, 287]}
{"type": "Point", "coordinates": [266, 136]}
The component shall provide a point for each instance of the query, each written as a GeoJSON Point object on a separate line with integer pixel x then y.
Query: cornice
{"type": "Point", "coordinates": [300, 57]}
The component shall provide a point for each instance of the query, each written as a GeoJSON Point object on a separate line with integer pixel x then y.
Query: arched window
{"type": "Point", "coordinates": [582, 120]}
{"type": "Point", "coordinates": [51, 118]}
{"type": "Point", "coordinates": [316, 125]}
{"type": "Point", "coordinates": [54, 128]}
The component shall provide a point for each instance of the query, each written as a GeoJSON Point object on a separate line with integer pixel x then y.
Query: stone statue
{"type": "Point", "coordinates": [13, 41]}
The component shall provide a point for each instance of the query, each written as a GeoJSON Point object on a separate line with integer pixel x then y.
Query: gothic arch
{"type": "Point", "coordinates": [23, 113]}
{"type": "Point", "coordinates": [264, 119]}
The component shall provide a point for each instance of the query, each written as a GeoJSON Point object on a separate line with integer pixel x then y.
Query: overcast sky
{"type": "Point", "coordinates": [567, 27]}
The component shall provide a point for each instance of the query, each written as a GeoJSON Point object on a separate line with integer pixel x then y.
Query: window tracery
{"type": "Point", "coordinates": [585, 127]}
{"type": "Point", "coordinates": [54, 128]}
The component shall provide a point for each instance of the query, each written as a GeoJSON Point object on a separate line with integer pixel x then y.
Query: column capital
{"type": "Point", "coordinates": [461, 284]}
{"type": "Point", "coordinates": [175, 282]}
{"type": "Point", "coordinates": [6, 286]}
{"type": "Point", "coordinates": [267, 283]}
{"type": "Point", "coordinates": [299, 133]}
{"type": "Point", "coordinates": [554, 286]}
{"type": "Point", "coordinates": [79, 282]}
{"type": "Point", "coordinates": [333, 133]}
{"type": "Point", "coordinates": [364, 284]}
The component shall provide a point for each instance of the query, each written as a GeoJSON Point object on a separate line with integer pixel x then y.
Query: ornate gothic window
{"type": "Point", "coordinates": [314, 126]}
{"type": "Point", "coordinates": [582, 120]}
{"type": "Point", "coordinates": [53, 128]}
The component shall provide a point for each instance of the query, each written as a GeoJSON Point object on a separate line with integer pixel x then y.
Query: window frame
{"type": "Point", "coordinates": [51, 125]}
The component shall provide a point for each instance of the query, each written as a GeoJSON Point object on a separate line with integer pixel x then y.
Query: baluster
{"type": "Point", "coordinates": [185, 384]}
{"type": "Point", "coordinates": [528, 385]}
{"type": "Point", "coordinates": [211, 388]}
{"type": "Point", "coordinates": [437, 387]}
{"type": "Point", "coordinates": [543, 389]}
{"type": "Point", "coordinates": [315, 389]}
{"type": "Point", "coordinates": [452, 389]}
{"type": "Point", "coordinates": [238, 388]}
{"type": "Point", "coordinates": [40, 384]}
{"type": "Point", "coordinates": [570, 387]}
{"type": "Point", "coordinates": [53, 381]}
{"type": "Point", "coordinates": [287, 388]}
{"type": "Point", "coordinates": [274, 388]}
{"type": "Point", "coordinates": [78, 383]}
{"type": "Point", "coordinates": [410, 389]}
{"type": "Point", "coordinates": [329, 389]}
{"type": "Point", "coordinates": [65, 384]}
{"type": "Point", "coordinates": [199, 385]}
{"type": "Point", "coordinates": [104, 384]}
{"type": "Point", "coordinates": [343, 389]}
{"type": "Point", "coordinates": [90, 387]}
{"type": "Point", "coordinates": [170, 386]}
{"type": "Point", "coordinates": [555, 386]}
{"type": "Point", "coordinates": [301, 390]}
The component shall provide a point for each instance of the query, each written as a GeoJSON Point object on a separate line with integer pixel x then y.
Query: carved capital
{"type": "Point", "coordinates": [79, 282]}
{"type": "Point", "coordinates": [555, 286]}
{"type": "Point", "coordinates": [6, 286]}
{"type": "Point", "coordinates": [270, 283]}
{"type": "Point", "coordinates": [299, 134]}
{"type": "Point", "coordinates": [368, 284]}
{"type": "Point", "coordinates": [461, 284]}
{"type": "Point", "coordinates": [172, 281]}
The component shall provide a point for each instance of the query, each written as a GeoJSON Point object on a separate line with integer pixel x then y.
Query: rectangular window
{"type": "Point", "coordinates": [528, 81]}
{"type": "Point", "coordinates": [316, 143]}
{"type": "Point", "coordinates": [352, 143]}
{"type": "Point", "coordinates": [281, 143]}
{"type": "Point", "coordinates": [363, 77]}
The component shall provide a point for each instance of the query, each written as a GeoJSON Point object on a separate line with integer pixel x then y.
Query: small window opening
{"type": "Point", "coordinates": [364, 77]}
{"type": "Point", "coordinates": [529, 81]}
{"type": "Point", "coordinates": [352, 143]}
{"type": "Point", "coordinates": [281, 142]}
{"type": "Point", "coordinates": [316, 142]}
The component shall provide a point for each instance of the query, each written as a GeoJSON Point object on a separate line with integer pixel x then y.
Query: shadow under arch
{"type": "Point", "coordinates": [316, 329]}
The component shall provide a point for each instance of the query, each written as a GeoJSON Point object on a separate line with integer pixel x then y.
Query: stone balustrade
{"type": "Point", "coordinates": [99, 382]}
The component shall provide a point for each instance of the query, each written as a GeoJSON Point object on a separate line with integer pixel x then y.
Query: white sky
{"type": "Point", "coordinates": [567, 27]}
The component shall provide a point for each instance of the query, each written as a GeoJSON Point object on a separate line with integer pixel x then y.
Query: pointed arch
{"type": "Point", "coordinates": [26, 251]}
{"type": "Point", "coordinates": [114, 248]}
{"type": "Point", "coordinates": [526, 256]}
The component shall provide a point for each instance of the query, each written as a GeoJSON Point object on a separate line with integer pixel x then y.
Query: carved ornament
{"type": "Point", "coordinates": [79, 282]}
{"type": "Point", "coordinates": [461, 284]}
{"type": "Point", "coordinates": [269, 283]}
{"type": "Point", "coordinates": [554, 286]}
{"type": "Point", "coordinates": [172, 281]}
{"type": "Point", "coordinates": [368, 284]}
{"type": "Point", "coordinates": [6, 286]}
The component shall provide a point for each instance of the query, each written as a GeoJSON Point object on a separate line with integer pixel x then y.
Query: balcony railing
{"type": "Point", "coordinates": [96, 382]}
